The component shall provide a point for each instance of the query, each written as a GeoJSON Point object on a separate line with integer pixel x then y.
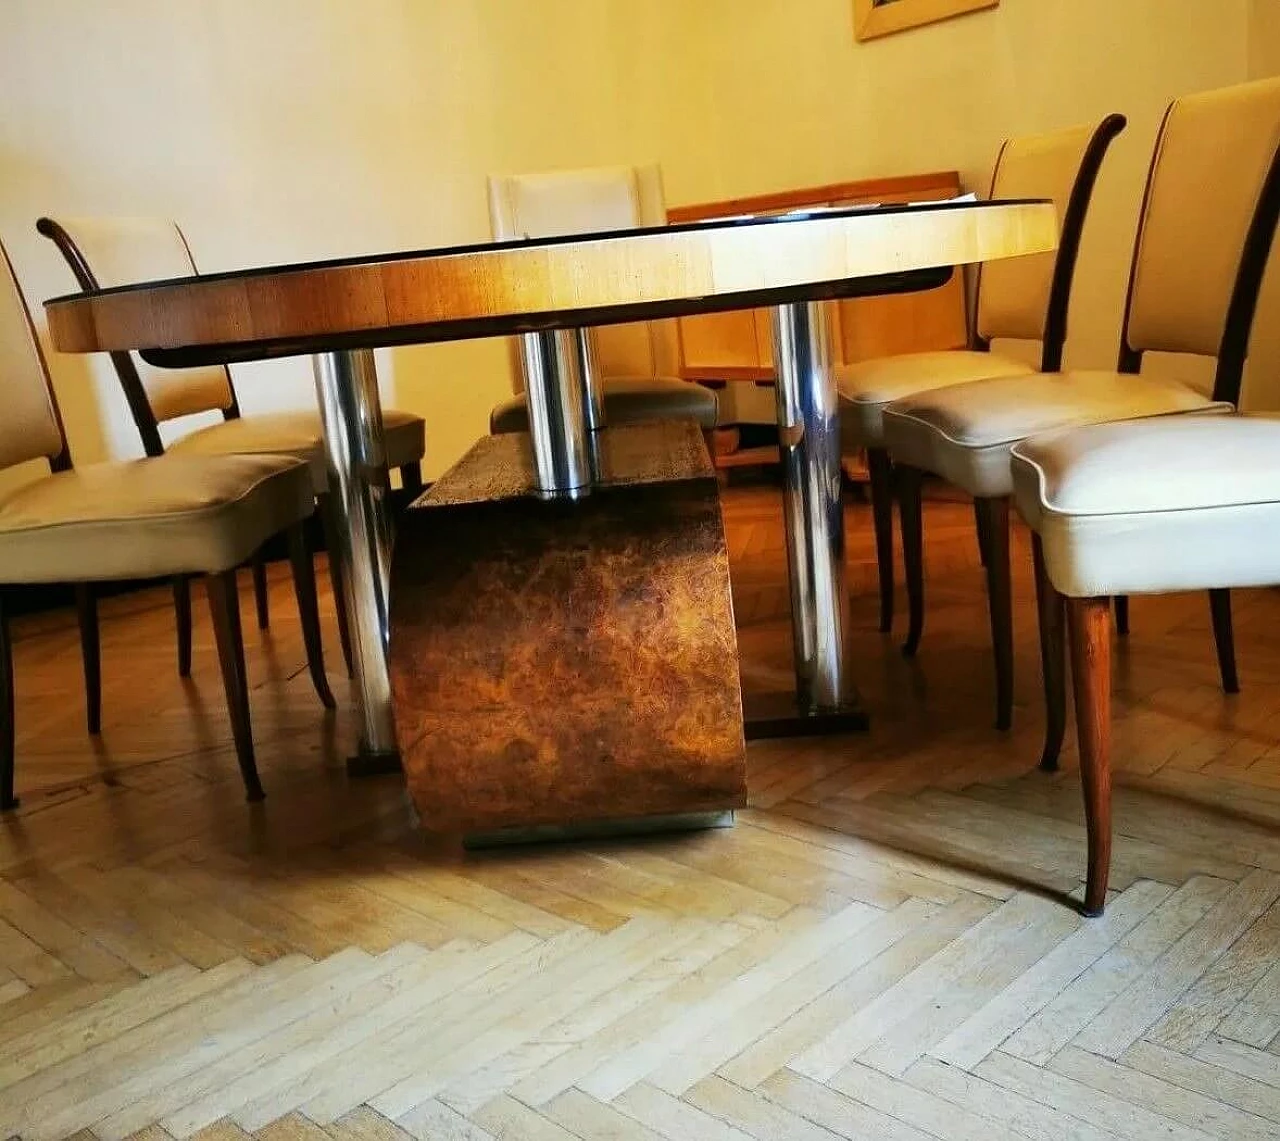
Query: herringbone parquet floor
{"type": "Point", "coordinates": [878, 949]}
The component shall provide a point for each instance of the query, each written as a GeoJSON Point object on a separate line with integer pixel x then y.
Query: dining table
{"type": "Point", "coordinates": [552, 291]}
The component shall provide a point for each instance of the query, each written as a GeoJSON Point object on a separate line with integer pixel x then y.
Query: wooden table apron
{"type": "Point", "coordinates": [552, 289]}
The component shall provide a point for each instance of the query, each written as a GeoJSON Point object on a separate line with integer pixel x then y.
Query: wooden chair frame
{"type": "Point", "coordinates": [148, 426]}
{"type": "Point", "coordinates": [992, 514]}
{"type": "Point", "coordinates": [223, 606]}
{"type": "Point", "coordinates": [880, 468]}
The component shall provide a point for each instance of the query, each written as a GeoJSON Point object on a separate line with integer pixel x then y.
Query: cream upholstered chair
{"type": "Point", "coordinates": [1017, 298]}
{"type": "Point", "coordinates": [150, 518]}
{"type": "Point", "coordinates": [1203, 237]}
{"type": "Point", "coordinates": [638, 362]}
{"type": "Point", "coordinates": [1143, 507]}
{"type": "Point", "coordinates": [106, 252]}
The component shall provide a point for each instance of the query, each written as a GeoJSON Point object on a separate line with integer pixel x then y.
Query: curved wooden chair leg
{"type": "Point", "coordinates": [911, 522]}
{"type": "Point", "coordinates": [1224, 639]}
{"type": "Point", "coordinates": [329, 524]}
{"type": "Point", "coordinates": [880, 470]}
{"type": "Point", "coordinates": [995, 522]}
{"type": "Point", "coordinates": [261, 599]}
{"type": "Point", "coordinates": [90, 655]}
{"type": "Point", "coordinates": [182, 619]}
{"type": "Point", "coordinates": [7, 746]}
{"type": "Point", "coordinates": [1121, 603]}
{"type": "Point", "coordinates": [1089, 625]}
{"type": "Point", "coordinates": [411, 476]}
{"type": "Point", "coordinates": [224, 607]}
{"type": "Point", "coordinates": [304, 587]}
{"type": "Point", "coordinates": [1053, 662]}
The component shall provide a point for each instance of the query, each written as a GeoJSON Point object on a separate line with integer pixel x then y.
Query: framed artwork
{"type": "Point", "coordinates": [873, 18]}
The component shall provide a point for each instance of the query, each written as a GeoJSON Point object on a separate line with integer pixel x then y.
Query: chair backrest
{"type": "Point", "coordinates": [1029, 297]}
{"type": "Point", "coordinates": [107, 252]}
{"type": "Point", "coordinates": [1208, 218]}
{"type": "Point", "coordinates": [555, 203]}
{"type": "Point", "coordinates": [30, 426]}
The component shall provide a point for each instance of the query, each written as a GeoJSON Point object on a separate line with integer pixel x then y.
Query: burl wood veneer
{"type": "Point", "coordinates": [557, 663]}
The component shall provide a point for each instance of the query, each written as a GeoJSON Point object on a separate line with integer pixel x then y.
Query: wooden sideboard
{"type": "Point", "coordinates": [738, 346]}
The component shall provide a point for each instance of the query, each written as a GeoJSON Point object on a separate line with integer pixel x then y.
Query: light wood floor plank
{"type": "Point", "coordinates": [1126, 1019]}
{"type": "Point", "coordinates": [1035, 988]}
{"type": "Point", "coordinates": [1070, 1096]}
{"type": "Point", "coordinates": [1164, 1098]}
{"type": "Point", "coordinates": [1091, 992]}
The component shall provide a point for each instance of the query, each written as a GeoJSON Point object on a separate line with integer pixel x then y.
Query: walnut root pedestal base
{"type": "Point", "coordinates": [568, 667]}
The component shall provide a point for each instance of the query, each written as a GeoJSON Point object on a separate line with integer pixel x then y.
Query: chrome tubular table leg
{"type": "Point", "coordinates": [592, 386]}
{"type": "Point", "coordinates": [347, 383]}
{"type": "Point", "coordinates": [556, 396]}
{"type": "Point", "coordinates": [809, 440]}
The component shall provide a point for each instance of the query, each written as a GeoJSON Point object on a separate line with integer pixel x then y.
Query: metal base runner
{"type": "Point", "coordinates": [777, 715]}
{"type": "Point", "coordinates": [600, 829]}
{"type": "Point", "coordinates": [374, 763]}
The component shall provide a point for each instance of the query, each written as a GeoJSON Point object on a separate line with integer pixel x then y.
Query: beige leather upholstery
{"type": "Point", "coordinates": [28, 426]}
{"type": "Point", "coordinates": [866, 387]}
{"type": "Point", "coordinates": [598, 199]}
{"type": "Point", "coordinates": [1182, 503]}
{"type": "Point", "coordinates": [1013, 298]}
{"type": "Point", "coordinates": [123, 251]}
{"type": "Point", "coordinates": [1194, 230]}
{"type": "Point", "coordinates": [625, 401]}
{"type": "Point", "coordinates": [300, 435]}
{"type": "Point", "coordinates": [138, 519]}
{"type": "Point", "coordinates": [149, 518]}
{"type": "Point", "coordinates": [965, 433]}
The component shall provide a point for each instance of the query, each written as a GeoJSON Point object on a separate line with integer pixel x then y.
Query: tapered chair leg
{"type": "Point", "coordinates": [330, 525]}
{"type": "Point", "coordinates": [1053, 661]}
{"type": "Point", "coordinates": [224, 607]}
{"type": "Point", "coordinates": [1089, 626]}
{"type": "Point", "coordinates": [984, 539]}
{"type": "Point", "coordinates": [1224, 639]}
{"type": "Point", "coordinates": [411, 476]}
{"type": "Point", "coordinates": [911, 522]}
{"type": "Point", "coordinates": [182, 618]}
{"type": "Point", "coordinates": [90, 654]}
{"type": "Point", "coordinates": [1121, 603]}
{"type": "Point", "coordinates": [304, 586]}
{"type": "Point", "coordinates": [880, 470]}
{"type": "Point", "coordinates": [260, 599]}
{"type": "Point", "coordinates": [995, 522]}
{"type": "Point", "coordinates": [7, 798]}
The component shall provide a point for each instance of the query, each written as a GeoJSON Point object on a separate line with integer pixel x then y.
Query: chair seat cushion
{"type": "Point", "coordinates": [1176, 503]}
{"type": "Point", "coordinates": [866, 387]}
{"type": "Point", "coordinates": [628, 400]}
{"type": "Point", "coordinates": [965, 433]}
{"type": "Point", "coordinates": [149, 518]}
{"type": "Point", "coordinates": [301, 435]}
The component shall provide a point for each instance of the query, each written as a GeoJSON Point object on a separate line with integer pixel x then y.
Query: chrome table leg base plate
{"type": "Point", "coordinates": [374, 763]}
{"type": "Point", "coordinates": [771, 715]}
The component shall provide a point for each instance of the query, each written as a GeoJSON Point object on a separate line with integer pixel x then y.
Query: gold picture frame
{"type": "Point", "coordinates": [875, 18]}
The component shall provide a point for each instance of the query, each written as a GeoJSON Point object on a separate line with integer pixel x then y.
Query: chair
{"type": "Point", "coordinates": [637, 361]}
{"type": "Point", "coordinates": [1122, 509]}
{"type": "Point", "coordinates": [1017, 298]}
{"type": "Point", "coordinates": [1204, 233]}
{"type": "Point", "coordinates": [149, 518]}
{"type": "Point", "coordinates": [105, 252]}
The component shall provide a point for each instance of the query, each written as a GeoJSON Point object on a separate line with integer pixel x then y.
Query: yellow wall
{"type": "Point", "coordinates": [305, 128]}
